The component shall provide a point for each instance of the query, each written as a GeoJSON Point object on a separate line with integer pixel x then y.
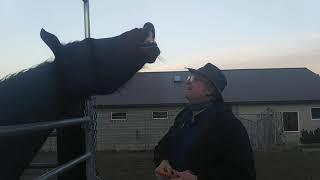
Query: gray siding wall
{"type": "Point", "coordinates": [139, 132]}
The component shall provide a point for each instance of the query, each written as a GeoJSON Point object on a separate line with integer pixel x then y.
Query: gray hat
{"type": "Point", "coordinates": [213, 74]}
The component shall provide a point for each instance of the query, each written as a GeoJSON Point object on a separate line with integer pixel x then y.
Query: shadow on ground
{"type": "Point", "coordinates": [138, 165]}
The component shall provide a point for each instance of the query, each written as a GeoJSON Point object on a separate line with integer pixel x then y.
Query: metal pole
{"type": "Point", "coordinates": [86, 18]}
{"type": "Point", "coordinates": [90, 163]}
{"type": "Point", "coordinates": [90, 136]}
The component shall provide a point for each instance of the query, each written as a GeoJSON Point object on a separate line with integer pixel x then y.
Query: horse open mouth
{"type": "Point", "coordinates": [149, 46]}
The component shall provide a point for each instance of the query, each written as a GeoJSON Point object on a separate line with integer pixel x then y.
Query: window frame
{"type": "Point", "coordinates": [160, 111]}
{"type": "Point", "coordinates": [118, 119]}
{"type": "Point", "coordinates": [314, 119]}
{"type": "Point", "coordinates": [298, 114]}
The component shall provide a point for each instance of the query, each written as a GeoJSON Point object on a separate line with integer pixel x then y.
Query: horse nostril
{"type": "Point", "coordinates": [150, 38]}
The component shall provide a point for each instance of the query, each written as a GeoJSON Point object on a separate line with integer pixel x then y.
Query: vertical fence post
{"type": "Point", "coordinates": [90, 136]}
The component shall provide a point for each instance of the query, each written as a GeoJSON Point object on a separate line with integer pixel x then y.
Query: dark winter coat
{"type": "Point", "coordinates": [220, 147]}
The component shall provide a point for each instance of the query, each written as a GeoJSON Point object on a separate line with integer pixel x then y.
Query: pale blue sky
{"type": "Point", "coordinates": [230, 34]}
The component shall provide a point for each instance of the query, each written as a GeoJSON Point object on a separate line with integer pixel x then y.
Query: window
{"type": "Point", "coordinates": [290, 121]}
{"type": "Point", "coordinates": [315, 112]}
{"type": "Point", "coordinates": [160, 115]}
{"type": "Point", "coordinates": [118, 116]}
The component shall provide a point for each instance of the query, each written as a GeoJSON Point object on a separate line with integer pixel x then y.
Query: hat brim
{"type": "Point", "coordinates": [194, 71]}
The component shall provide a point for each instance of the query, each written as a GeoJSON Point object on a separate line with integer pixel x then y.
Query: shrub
{"type": "Point", "coordinates": [308, 137]}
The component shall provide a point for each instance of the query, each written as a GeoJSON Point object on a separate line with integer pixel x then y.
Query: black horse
{"type": "Point", "coordinates": [58, 89]}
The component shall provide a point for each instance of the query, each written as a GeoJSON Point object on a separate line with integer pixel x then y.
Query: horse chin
{"type": "Point", "coordinates": [150, 53]}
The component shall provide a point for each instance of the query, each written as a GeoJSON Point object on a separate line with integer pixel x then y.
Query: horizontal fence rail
{"type": "Point", "coordinates": [60, 169]}
{"type": "Point", "coordinates": [14, 130]}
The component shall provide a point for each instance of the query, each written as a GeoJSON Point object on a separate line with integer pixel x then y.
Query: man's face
{"type": "Point", "coordinates": [196, 88]}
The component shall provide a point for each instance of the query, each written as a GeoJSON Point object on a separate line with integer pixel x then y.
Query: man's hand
{"type": "Point", "coordinates": [185, 175]}
{"type": "Point", "coordinates": [165, 170]}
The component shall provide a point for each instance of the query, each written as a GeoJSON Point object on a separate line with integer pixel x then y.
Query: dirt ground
{"type": "Point", "coordinates": [138, 165]}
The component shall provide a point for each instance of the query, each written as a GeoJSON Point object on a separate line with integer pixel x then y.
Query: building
{"type": "Point", "coordinates": [140, 113]}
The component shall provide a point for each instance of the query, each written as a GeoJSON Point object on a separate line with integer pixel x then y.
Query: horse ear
{"type": "Point", "coordinates": [51, 40]}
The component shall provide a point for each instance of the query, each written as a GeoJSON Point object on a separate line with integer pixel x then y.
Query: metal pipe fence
{"type": "Point", "coordinates": [88, 123]}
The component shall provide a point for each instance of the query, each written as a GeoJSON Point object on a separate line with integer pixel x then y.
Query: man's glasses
{"type": "Point", "coordinates": [194, 78]}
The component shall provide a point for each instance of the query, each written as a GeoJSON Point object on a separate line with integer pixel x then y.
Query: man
{"type": "Point", "coordinates": [206, 141]}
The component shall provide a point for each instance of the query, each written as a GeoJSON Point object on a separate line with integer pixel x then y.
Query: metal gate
{"type": "Point", "coordinates": [264, 129]}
